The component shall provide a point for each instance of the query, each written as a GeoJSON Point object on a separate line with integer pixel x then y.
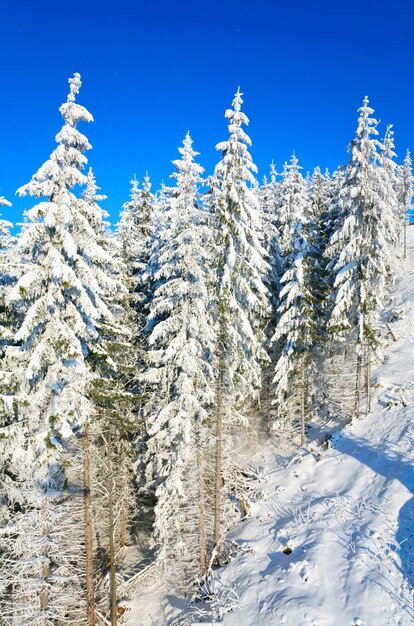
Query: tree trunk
{"type": "Point", "coordinates": [111, 529]}
{"type": "Point", "coordinates": [44, 568]}
{"type": "Point", "coordinates": [90, 594]}
{"type": "Point", "coordinates": [256, 422]}
{"type": "Point", "coordinates": [268, 405]}
{"type": "Point", "coordinates": [123, 513]}
{"type": "Point", "coordinates": [302, 403]}
{"type": "Point", "coordinates": [201, 513]}
{"type": "Point", "coordinates": [219, 427]}
{"type": "Point", "coordinates": [405, 235]}
{"type": "Point", "coordinates": [122, 525]}
{"type": "Point", "coordinates": [368, 380]}
{"type": "Point", "coordinates": [357, 388]}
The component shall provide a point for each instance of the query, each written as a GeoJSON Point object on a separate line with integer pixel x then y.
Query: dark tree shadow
{"type": "Point", "coordinates": [392, 466]}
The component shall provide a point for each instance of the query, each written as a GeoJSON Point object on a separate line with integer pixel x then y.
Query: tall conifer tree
{"type": "Point", "coordinates": [60, 298]}
{"type": "Point", "coordinates": [242, 302]}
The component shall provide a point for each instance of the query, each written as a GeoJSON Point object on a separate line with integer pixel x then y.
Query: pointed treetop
{"type": "Point", "coordinates": [187, 151]}
{"type": "Point", "coordinates": [75, 84]}
{"type": "Point", "coordinates": [407, 160]}
{"type": "Point", "coordinates": [187, 142]}
{"type": "Point", "coordinates": [366, 110]}
{"type": "Point", "coordinates": [72, 112]}
{"type": "Point", "coordinates": [186, 164]}
{"type": "Point", "coordinates": [235, 115]}
{"type": "Point", "coordinates": [273, 172]}
{"type": "Point", "coordinates": [89, 194]}
{"type": "Point", "coordinates": [294, 160]}
{"type": "Point", "coordinates": [237, 101]}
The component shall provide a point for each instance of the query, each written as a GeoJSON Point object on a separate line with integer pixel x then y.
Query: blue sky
{"type": "Point", "coordinates": [153, 70]}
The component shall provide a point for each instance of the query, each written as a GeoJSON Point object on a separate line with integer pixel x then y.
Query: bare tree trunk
{"type": "Point", "coordinates": [356, 410]}
{"type": "Point", "coordinates": [122, 526]}
{"type": "Point", "coordinates": [302, 403]}
{"type": "Point", "coordinates": [111, 530]}
{"type": "Point", "coordinates": [123, 513]}
{"type": "Point", "coordinates": [256, 423]}
{"type": "Point", "coordinates": [368, 379]}
{"type": "Point", "coordinates": [219, 427]}
{"type": "Point", "coordinates": [90, 594]}
{"type": "Point", "coordinates": [267, 405]}
{"type": "Point", "coordinates": [405, 235]}
{"type": "Point", "coordinates": [44, 568]}
{"type": "Point", "coordinates": [201, 513]}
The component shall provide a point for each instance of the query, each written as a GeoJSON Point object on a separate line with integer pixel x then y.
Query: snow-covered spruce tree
{"type": "Point", "coordinates": [180, 374]}
{"type": "Point", "coordinates": [136, 233]}
{"type": "Point", "coordinates": [269, 204]}
{"type": "Point", "coordinates": [405, 194]}
{"type": "Point", "coordinates": [317, 228]}
{"type": "Point", "coordinates": [241, 296]}
{"type": "Point", "coordinates": [8, 321]}
{"type": "Point", "coordinates": [8, 272]}
{"type": "Point", "coordinates": [134, 228]}
{"type": "Point", "coordinates": [60, 298]}
{"type": "Point", "coordinates": [388, 189]}
{"type": "Point", "coordinates": [293, 200]}
{"type": "Point", "coordinates": [294, 335]}
{"type": "Point", "coordinates": [110, 439]}
{"type": "Point", "coordinates": [332, 372]}
{"type": "Point", "coordinates": [107, 439]}
{"type": "Point", "coordinates": [365, 241]}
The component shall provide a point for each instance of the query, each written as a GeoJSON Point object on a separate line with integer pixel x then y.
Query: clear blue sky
{"type": "Point", "coordinates": [153, 70]}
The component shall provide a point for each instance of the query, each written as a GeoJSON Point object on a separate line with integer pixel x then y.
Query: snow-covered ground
{"type": "Point", "coordinates": [345, 516]}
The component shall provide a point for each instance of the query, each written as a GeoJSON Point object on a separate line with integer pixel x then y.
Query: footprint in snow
{"type": "Point", "coordinates": [305, 571]}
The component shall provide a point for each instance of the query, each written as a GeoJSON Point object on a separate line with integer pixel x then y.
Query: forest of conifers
{"type": "Point", "coordinates": [142, 366]}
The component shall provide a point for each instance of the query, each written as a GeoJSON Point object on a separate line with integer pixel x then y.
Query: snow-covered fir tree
{"type": "Point", "coordinates": [241, 300]}
{"type": "Point", "coordinates": [269, 205]}
{"type": "Point", "coordinates": [388, 188]}
{"type": "Point", "coordinates": [294, 334]}
{"type": "Point", "coordinates": [60, 298]}
{"type": "Point", "coordinates": [365, 242]}
{"type": "Point", "coordinates": [8, 319]}
{"type": "Point", "coordinates": [134, 228]}
{"type": "Point", "coordinates": [181, 342]}
{"type": "Point", "coordinates": [292, 201]}
{"type": "Point", "coordinates": [109, 441]}
{"type": "Point", "coordinates": [405, 194]}
{"type": "Point", "coordinates": [8, 270]}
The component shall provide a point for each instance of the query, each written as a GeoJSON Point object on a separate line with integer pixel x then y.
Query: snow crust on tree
{"type": "Point", "coordinates": [365, 238]}
{"type": "Point", "coordinates": [134, 228]}
{"type": "Point", "coordinates": [404, 190]}
{"type": "Point", "coordinates": [180, 346]}
{"type": "Point", "coordinates": [240, 259]}
{"type": "Point", "coordinates": [60, 299]}
{"type": "Point", "coordinates": [61, 294]}
{"type": "Point", "coordinates": [295, 325]}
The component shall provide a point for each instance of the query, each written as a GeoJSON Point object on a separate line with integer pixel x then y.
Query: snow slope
{"type": "Point", "coordinates": [347, 519]}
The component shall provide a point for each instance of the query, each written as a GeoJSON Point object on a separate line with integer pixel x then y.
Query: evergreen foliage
{"type": "Point", "coordinates": [141, 368]}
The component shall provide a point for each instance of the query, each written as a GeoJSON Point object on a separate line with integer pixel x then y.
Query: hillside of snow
{"type": "Point", "coordinates": [332, 544]}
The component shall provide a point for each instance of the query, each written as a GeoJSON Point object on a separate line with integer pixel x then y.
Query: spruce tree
{"type": "Point", "coordinates": [364, 241]}
{"type": "Point", "coordinates": [405, 194]}
{"type": "Point", "coordinates": [60, 298]}
{"type": "Point", "coordinates": [241, 296]}
{"type": "Point", "coordinates": [179, 357]}
{"type": "Point", "coordinates": [294, 334]}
